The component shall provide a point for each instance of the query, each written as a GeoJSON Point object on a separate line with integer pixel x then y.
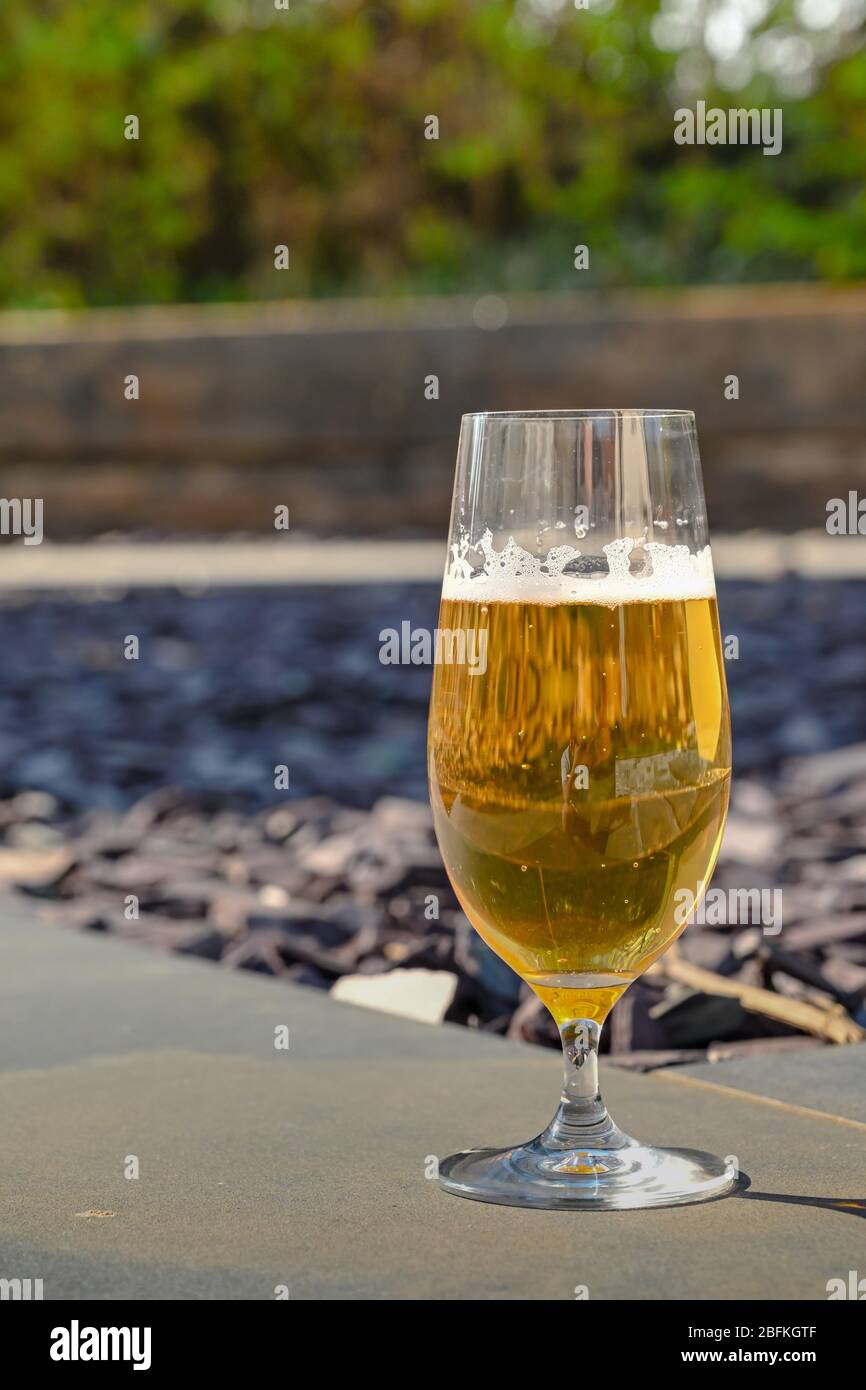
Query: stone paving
{"type": "Point", "coordinates": [308, 1170]}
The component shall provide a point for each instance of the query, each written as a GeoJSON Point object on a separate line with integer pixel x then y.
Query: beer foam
{"type": "Point", "coordinates": [514, 575]}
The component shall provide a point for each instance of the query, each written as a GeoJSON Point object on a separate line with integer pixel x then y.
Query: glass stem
{"type": "Point", "coordinates": [581, 1121]}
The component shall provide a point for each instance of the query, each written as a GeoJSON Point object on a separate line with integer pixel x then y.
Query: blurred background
{"type": "Point", "coordinates": [254, 264]}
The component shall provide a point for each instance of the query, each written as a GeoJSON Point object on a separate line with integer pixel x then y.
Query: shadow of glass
{"type": "Point", "coordinates": [848, 1206]}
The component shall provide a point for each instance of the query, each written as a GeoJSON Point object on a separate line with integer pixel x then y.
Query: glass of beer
{"type": "Point", "coordinates": [580, 753]}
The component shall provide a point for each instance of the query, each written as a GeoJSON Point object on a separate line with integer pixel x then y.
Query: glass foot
{"type": "Point", "coordinates": [583, 1160]}
{"type": "Point", "coordinates": [601, 1179]}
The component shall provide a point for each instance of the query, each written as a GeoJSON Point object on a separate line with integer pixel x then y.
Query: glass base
{"type": "Point", "coordinates": [583, 1159]}
{"type": "Point", "coordinates": [615, 1176]}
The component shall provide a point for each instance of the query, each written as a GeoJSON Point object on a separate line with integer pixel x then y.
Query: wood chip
{"type": "Point", "coordinates": [833, 1024]}
{"type": "Point", "coordinates": [806, 935]}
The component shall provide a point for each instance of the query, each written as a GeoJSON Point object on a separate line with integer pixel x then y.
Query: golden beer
{"type": "Point", "coordinates": [579, 782]}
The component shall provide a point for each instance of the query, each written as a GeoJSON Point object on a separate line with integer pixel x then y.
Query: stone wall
{"type": "Point", "coordinates": [322, 406]}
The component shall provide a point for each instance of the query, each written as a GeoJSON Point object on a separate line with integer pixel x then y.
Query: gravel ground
{"type": "Point", "coordinates": [152, 780]}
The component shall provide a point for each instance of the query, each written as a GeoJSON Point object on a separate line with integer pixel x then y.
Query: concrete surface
{"type": "Point", "coordinates": [824, 1078]}
{"type": "Point", "coordinates": [209, 564]}
{"type": "Point", "coordinates": [306, 1168]}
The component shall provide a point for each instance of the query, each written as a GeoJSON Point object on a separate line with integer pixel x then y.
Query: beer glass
{"type": "Point", "coordinates": [580, 762]}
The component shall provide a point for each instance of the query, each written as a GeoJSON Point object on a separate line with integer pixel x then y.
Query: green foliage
{"type": "Point", "coordinates": [261, 126]}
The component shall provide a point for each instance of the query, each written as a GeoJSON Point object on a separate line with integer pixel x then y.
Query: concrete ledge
{"type": "Point", "coordinates": [218, 564]}
{"type": "Point", "coordinates": [307, 1167]}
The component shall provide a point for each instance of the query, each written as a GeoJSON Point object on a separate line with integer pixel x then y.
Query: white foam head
{"type": "Point", "coordinates": [514, 575]}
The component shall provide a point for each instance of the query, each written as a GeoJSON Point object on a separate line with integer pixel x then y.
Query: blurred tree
{"type": "Point", "coordinates": [261, 126]}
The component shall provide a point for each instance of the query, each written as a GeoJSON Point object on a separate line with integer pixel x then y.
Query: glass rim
{"type": "Point", "coordinates": [611, 413]}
